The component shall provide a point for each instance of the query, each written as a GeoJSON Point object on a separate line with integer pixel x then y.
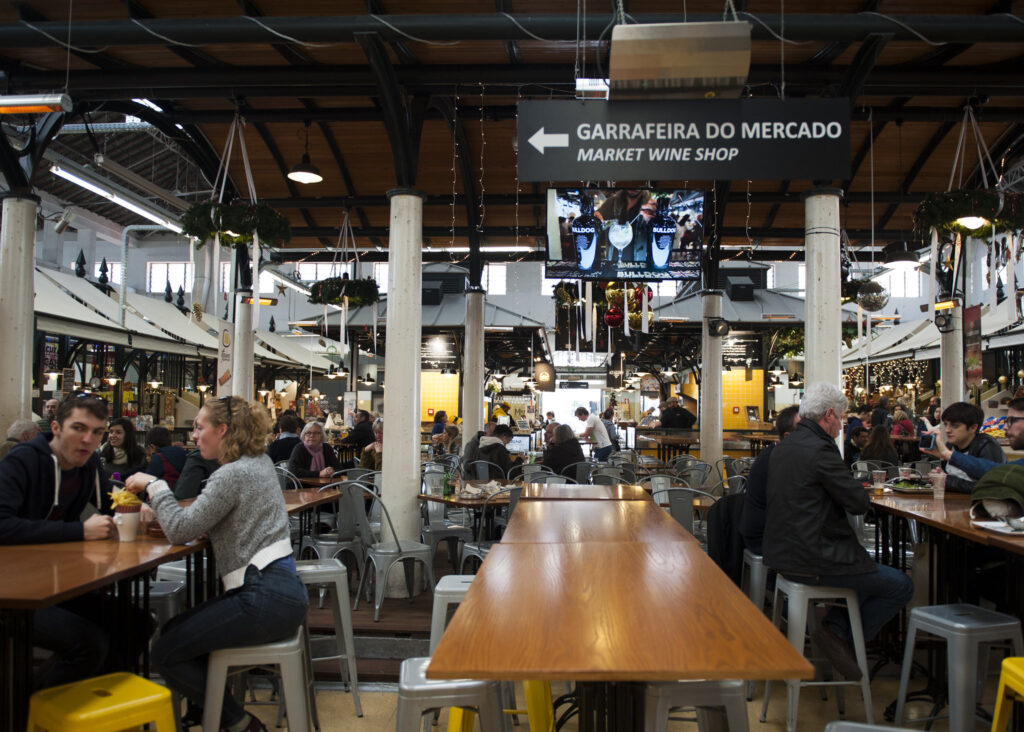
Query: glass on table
{"type": "Point", "coordinates": [906, 473]}
{"type": "Point", "coordinates": [938, 479]}
{"type": "Point", "coordinates": [878, 480]}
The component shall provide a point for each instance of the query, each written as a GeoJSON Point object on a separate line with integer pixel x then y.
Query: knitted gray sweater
{"type": "Point", "coordinates": [241, 508]}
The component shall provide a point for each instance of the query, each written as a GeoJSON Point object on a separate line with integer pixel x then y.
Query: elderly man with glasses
{"type": "Point", "coordinates": [807, 536]}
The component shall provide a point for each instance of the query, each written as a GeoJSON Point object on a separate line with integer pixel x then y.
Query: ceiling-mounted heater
{"type": "Point", "coordinates": [679, 60]}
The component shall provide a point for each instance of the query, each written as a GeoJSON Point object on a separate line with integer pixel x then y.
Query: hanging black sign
{"type": "Point", "coordinates": [723, 139]}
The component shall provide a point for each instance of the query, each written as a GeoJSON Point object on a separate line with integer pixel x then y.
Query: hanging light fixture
{"type": "Point", "coordinates": [305, 171]}
{"type": "Point", "coordinates": [899, 255]}
{"type": "Point", "coordinates": [368, 379]}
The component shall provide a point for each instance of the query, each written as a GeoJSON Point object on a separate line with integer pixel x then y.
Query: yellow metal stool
{"type": "Point", "coordinates": [1011, 686]}
{"type": "Point", "coordinates": [103, 704]}
{"type": "Point", "coordinates": [539, 710]}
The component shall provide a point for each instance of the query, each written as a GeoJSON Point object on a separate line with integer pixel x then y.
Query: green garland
{"type": "Point", "coordinates": [941, 210]}
{"type": "Point", "coordinates": [567, 294]}
{"type": "Point", "coordinates": [204, 220]}
{"type": "Point", "coordinates": [331, 290]}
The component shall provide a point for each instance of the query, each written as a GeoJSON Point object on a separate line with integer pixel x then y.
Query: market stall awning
{"type": "Point", "coordinates": [768, 307]}
{"type": "Point", "coordinates": [170, 320]}
{"type": "Point", "coordinates": [260, 353]}
{"type": "Point", "coordinates": [60, 314]}
{"type": "Point", "coordinates": [293, 350]}
{"type": "Point", "coordinates": [883, 340]}
{"type": "Point", "coordinates": [142, 335]}
{"type": "Point", "coordinates": [451, 313]}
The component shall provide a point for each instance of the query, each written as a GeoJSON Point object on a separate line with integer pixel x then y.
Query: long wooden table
{"type": "Point", "coordinates": [576, 492]}
{"type": "Point", "coordinates": [41, 575]}
{"type": "Point", "coordinates": [608, 594]}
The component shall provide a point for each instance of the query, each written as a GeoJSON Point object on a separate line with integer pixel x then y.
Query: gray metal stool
{"type": "Point", "coordinates": [663, 696]}
{"type": "Point", "coordinates": [449, 590]}
{"type": "Point", "coordinates": [166, 599]}
{"type": "Point", "coordinates": [332, 572]}
{"type": "Point", "coordinates": [968, 631]}
{"type": "Point", "coordinates": [417, 695]}
{"type": "Point", "coordinates": [287, 655]}
{"type": "Point", "coordinates": [754, 582]}
{"type": "Point", "coordinates": [799, 595]}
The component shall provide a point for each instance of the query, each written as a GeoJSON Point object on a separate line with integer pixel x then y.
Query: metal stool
{"type": "Point", "coordinates": [287, 655]}
{"type": "Point", "coordinates": [843, 726]}
{"type": "Point", "coordinates": [968, 631]}
{"type": "Point", "coordinates": [754, 582]}
{"type": "Point", "coordinates": [333, 572]}
{"type": "Point", "coordinates": [799, 595]}
{"type": "Point", "coordinates": [417, 695]}
{"type": "Point", "coordinates": [1011, 685]}
{"type": "Point", "coordinates": [664, 696]}
{"type": "Point", "coordinates": [166, 599]}
{"type": "Point", "coordinates": [449, 590]}
{"type": "Point", "coordinates": [103, 704]}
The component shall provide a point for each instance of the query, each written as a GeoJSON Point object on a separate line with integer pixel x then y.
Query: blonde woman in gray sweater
{"type": "Point", "coordinates": [243, 512]}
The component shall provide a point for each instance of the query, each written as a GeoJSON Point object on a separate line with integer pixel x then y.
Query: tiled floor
{"type": "Point", "coordinates": [379, 702]}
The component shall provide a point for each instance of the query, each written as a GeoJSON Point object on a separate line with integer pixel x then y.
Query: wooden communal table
{"type": "Point", "coordinates": [579, 603]}
{"type": "Point", "coordinates": [318, 482]}
{"type": "Point", "coordinates": [40, 575]}
{"type": "Point", "coordinates": [576, 492]}
{"type": "Point", "coordinates": [671, 446]}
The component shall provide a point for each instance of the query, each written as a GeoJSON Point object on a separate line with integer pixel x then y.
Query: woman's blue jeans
{"type": "Point", "coordinates": [269, 607]}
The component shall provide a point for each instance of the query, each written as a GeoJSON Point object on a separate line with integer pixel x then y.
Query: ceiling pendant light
{"type": "Point", "coordinates": [305, 171]}
{"type": "Point", "coordinates": [900, 255]}
{"type": "Point", "coordinates": [34, 103]}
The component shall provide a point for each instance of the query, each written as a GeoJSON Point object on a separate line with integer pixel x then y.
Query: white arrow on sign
{"type": "Point", "coordinates": [540, 140]}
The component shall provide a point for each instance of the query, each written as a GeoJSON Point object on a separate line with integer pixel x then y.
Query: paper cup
{"type": "Point", "coordinates": [905, 473]}
{"type": "Point", "coordinates": [127, 524]}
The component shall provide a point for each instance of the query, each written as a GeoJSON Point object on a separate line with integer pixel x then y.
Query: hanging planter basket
{"type": "Point", "coordinates": [941, 211]}
{"type": "Point", "coordinates": [332, 290]}
{"type": "Point", "coordinates": [236, 223]}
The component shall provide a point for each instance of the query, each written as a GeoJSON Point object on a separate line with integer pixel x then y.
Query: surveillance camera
{"type": "Point", "coordinates": [64, 221]}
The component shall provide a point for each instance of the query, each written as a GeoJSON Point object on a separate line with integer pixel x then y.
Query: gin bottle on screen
{"type": "Point", "coordinates": [584, 233]}
{"type": "Point", "coordinates": [663, 234]}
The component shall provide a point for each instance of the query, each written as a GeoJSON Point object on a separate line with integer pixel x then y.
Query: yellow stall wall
{"type": "Point", "coordinates": [738, 392]}
{"type": "Point", "coordinates": [438, 392]}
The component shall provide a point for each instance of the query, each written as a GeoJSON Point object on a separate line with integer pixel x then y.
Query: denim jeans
{"type": "Point", "coordinates": [881, 594]}
{"type": "Point", "coordinates": [602, 453]}
{"type": "Point", "coordinates": [78, 637]}
{"type": "Point", "coordinates": [268, 607]}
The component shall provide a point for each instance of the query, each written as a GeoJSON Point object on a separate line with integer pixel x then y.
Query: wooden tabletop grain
{"type": "Point", "coordinates": [565, 522]}
{"type": "Point", "coordinates": [574, 492]}
{"type": "Point", "coordinates": [616, 611]}
{"type": "Point", "coordinates": [307, 498]}
{"type": "Point", "coordinates": [951, 514]}
{"type": "Point", "coordinates": [40, 575]}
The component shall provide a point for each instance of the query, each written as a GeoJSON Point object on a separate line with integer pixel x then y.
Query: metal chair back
{"type": "Point", "coordinates": [680, 504]}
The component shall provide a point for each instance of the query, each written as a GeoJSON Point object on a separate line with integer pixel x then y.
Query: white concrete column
{"type": "Point", "coordinates": [17, 293]}
{"type": "Point", "coordinates": [711, 380]}
{"type": "Point", "coordinates": [473, 365]}
{"type": "Point", "coordinates": [242, 359]}
{"type": "Point", "coordinates": [951, 358]}
{"type": "Point", "coordinates": [403, 346]}
{"type": "Point", "coordinates": [823, 322]}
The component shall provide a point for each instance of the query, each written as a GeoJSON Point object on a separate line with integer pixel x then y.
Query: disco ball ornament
{"type": "Point", "coordinates": [872, 296]}
{"type": "Point", "coordinates": [635, 322]}
{"type": "Point", "coordinates": [614, 294]}
{"type": "Point", "coordinates": [614, 317]}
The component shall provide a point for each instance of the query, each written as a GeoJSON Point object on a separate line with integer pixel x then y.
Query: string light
{"type": "Point", "coordinates": [483, 145]}
{"type": "Point", "coordinates": [455, 154]}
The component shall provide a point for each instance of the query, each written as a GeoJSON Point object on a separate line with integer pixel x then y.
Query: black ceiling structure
{"type": "Point", "coordinates": [424, 94]}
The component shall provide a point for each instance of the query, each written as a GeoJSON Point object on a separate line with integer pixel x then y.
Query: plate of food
{"type": "Point", "coordinates": [911, 485]}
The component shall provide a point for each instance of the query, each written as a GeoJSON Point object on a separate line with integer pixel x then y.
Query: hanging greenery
{"type": "Point", "coordinates": [567, 294]}
{"type": "Point", "coordinates": [332, 290]}
{"type": "Point", "coordinates": [941, 211]}
{"type": "Point", "coordinates": [236, 222]}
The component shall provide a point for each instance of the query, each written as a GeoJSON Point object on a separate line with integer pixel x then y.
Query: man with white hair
{"type": "Point", "coordinates": [807, 536]}
{"type": "Point", "coordinates": [21, 430]}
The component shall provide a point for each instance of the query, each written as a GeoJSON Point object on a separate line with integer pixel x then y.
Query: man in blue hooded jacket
{"type": "Point", "coordinates": [47, 486]}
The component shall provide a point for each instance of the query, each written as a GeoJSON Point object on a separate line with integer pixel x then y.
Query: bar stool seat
{"type": "Point", "coordinates": [417, 695]}
{"type": "Point", "coordinates": [286, 654]}
{"type": "Point", "coordinates": [166, 599]}
{"type": "Point", "coordinates": [663, 696]}
{"type": "Point", "coordinates": [754, 582]}
{"type": "Point", "coordinates": [968, 630]}
{"type": "Point", "coordinates": [102, 704]}
{"type": "Point", "coordinates": [799, 595]}
{"type": "Point", "coordinates": [332, 572]}
{"type": "Point", "coordinates": [1011, 685]}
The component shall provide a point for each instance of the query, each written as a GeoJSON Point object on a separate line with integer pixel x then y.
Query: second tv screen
{"type": "Point", "coordinates": [624, 234]}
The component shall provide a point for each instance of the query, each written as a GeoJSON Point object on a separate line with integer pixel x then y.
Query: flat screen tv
{"type": "Point", "coordinates": [624, 233]}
